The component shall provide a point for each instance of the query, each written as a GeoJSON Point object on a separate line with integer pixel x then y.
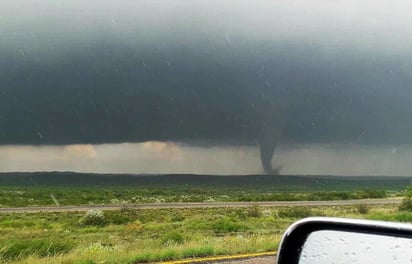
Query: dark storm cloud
{"type": "Point", "coordinates": [231, 72]}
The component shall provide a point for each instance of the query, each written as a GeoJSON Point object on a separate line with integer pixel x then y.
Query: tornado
{"type": "Point", "coordinates": [270, 135]}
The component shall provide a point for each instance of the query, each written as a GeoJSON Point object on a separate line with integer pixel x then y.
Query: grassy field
{"type": "Point", "coordinates": [35, 189]}
{"type": "Point", "coordinates": [147, 235]}
{"type": "Point", "coordinates": [12, 196]}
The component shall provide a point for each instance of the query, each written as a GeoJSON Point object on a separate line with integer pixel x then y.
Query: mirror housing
{"type": "Point", "coordinates": [295, 237]}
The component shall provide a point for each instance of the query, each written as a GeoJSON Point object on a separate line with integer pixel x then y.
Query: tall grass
{"type": "Point", "coordinates": [192, 249]}
{"type": "Point", "coordinates": [150, 235]}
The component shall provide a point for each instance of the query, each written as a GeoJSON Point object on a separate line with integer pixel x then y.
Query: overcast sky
{"type": "Point", "coordinates": [329, 81]}
{"type": "Point", "coordinates": [167, 157]}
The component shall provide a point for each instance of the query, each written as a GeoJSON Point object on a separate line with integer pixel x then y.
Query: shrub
{"type": "Point", "coordinates": [123, 216]}
{"type": "Point", "coordinates": [173, 237]}
{"type": "Point", "coordinates": [147, 216]}
{"type": "Point", "coordinates": [396, 217]}
{"type": "Point", "coordinates": [371, 194]}
{"type": "Point", "coordinates": [295, 212]}
{"type": "Point", "coordinates": [408, 191]}
{"type": "Point", "coordinates": [175, 216]}
{"type": "Point", "coordinates": [227, 225]}
{"type": "Point", "coordinates": [403, 217]}
{"type": "Point", "coordinates": [94, 217]}
{"type": "Point", "coordinates": [362, 208]}
{"type": "Point", "coordinates": [136, 225]}
{"type": "Point", "coordinates": [406, 204]}
{"type": "Point", "coordinates": [254, 211]}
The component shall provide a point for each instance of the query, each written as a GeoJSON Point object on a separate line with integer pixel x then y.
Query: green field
{"type": "Point", "coordinates": [147, 235]}
{"type": "Point", "coordinates": [35, 189]}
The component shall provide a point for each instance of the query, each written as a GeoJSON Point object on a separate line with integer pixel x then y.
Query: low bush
{"type": "Point", "coordinates": [362, 208]}
{"type": "Point", "coordinates": [406, 204]}
{"type": "Point", "coordinates": [123, 216]}
{"type": "Point", "coordinates": [173, 237]}
{"type": "Point", "coordinates": [94, 217]}
{"type": "Point", "coordinates": [403, 217]}
{"type": "Point", "coordinates": [394, 217]}
{"type": "Point", "coordinates": [294, 212]}
{"type": "Point", "coordinates": [364, 194]}
{"type": "Point", "coordinates": [147, 216]}
{"type": "Point", "coordinates": [227, 225]}
{"type": "Point", "coordinates": [176, 216]}
{"type": "Point", "coordinates": [254, 211]}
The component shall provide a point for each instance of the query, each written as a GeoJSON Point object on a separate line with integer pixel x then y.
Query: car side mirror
{"type": "Point", "coordinates": [325, 240]}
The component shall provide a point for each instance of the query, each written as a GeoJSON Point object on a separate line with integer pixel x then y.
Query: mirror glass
{"type": "Point", "coordinates": [329, 246]}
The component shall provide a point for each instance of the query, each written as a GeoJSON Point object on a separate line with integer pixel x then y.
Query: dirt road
{"type": "Point", "coordinates": [76, 208]}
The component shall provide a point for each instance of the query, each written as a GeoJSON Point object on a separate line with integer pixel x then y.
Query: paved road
{"type": "Point", "coordinates": [195, 205]}
{"type": "Point", "coordinates": [251, 258]}
{"type": "Point", "coordinates": [254, 260]}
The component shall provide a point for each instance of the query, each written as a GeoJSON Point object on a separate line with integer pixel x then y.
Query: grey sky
{"type": "Point", "coordinates": [334, 76]}
{"type": "Point", "coordinates": [385, 25]}
{"type": "Point", "coordinates": [168, 157]}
